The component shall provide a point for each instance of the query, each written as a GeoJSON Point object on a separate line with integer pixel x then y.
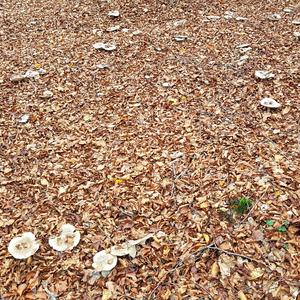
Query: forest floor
{"type": "Point", "coordinates": [163, 135]}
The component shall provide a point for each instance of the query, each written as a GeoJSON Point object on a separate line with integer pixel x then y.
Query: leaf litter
{"type": "Point", "coordinates": [99, 154]}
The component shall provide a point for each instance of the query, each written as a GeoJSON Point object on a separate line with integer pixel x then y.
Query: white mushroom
{"type": "Point", "coordinates": [140, 241]}
{"type": "Point", "coordinates": [103, 46]}
{"type": "Point", "coordinates": [67, 240]}
{"type": "Point", "coordinates": [180, 38]}
{"type": "Point", "coordinates": [124, 249]}
{"type": "Point", "coordinates": [23, 246]}
{"type": "Point", "coordinates": [260, 74]}
{"type": "Point", "coordinates": [113, 28]}
{"type": "Point", "coordinates": [17, 77]}
{"type": "Point", "coordinates": [297, 34]}
{"type": "Point", "coordinates": [241, 19]}
{"type": "Point", "coordinates": [274, 17]}
{"type": "Point", "coordinates": [269, 102]}
{"type": "Point", "coordinates": [114, 13]}
{"type": "Point", "coordinates": [24, 119]}
{"type": "Point", "coordinates": [104, 261]}
{"type": "Point", "coordinates": [213, 18]}
{"type": "Point", "coordinates": [32, 74]}
{"type": "Point", "coordinates": [47, 94]}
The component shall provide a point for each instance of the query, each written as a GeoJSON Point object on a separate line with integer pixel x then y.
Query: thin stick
{"type": "Point", "coordinates": [238, 255]}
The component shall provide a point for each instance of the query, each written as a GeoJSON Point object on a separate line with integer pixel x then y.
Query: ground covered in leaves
{"type": "Point", "coordinates": [160, 135]}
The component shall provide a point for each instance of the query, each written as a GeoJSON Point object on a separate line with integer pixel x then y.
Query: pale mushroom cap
{"type": "Point", "coordinates": [264, 74]}
{"type": "Point", "coordinates": [141, 241]}
{"type": "Point", "coordinates": [67, 228]}
{"type": "Point", "coordinates": [67, 240]}
{"type": "Point", "coordinates": [23, 246]}
{"type": "Point", "coordinates": [124, 249]}
{"type": "Point", "coordinates": [269, 102]}
{"type": "Point", "coordinates": [107, 47]}
{"type": "Point", "coordinates": [104, 261]}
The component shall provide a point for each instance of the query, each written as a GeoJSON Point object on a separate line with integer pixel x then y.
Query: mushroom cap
{"type": "Point", "coordinates": [67, 240]}
{"type": "Point", "coordinates": [103, 46]}
{"type": "Point", "coordinates": [269, 102]}
{"type": "Point", "coordinates": [104, 261]}
{"type": "Point", "coordinates": [124, 249]}
{"type": "Point", "coordinates": [23, 246]}
{"type": "Point", "coordinates": [261, 74]}
{"type": "Point", "coordinates": [140, 241]}
{"type": "Point", "coordinates": [114, 13]}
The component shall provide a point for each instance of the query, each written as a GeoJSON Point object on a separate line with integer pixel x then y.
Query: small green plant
{"type": "Point", "coordinates": [241, 205]}
{"type": "Point", "coordinates": [283, 227]}
{"type": "Point", "coordinates": [270, 222]}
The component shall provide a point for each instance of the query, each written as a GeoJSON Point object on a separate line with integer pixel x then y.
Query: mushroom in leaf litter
{"type": "Point", "coordinates": [23, 246]}
{"type": "Point", "coordinates": [103, 66]}
{"type": "Point", "coordinates": [296, 22]}
{"type": "Point", "coordinates": [241, 19]}
{"type": "Point", "coordinates": [180, 38]}
{"type": "Point", "coordinates": [124, 249]}
{"type": "Point", "coordinates": [106, 47]}
{"type": "Point", "coordinates": [213, 18]}
{"type": "Point", "coordinates": [141, 241]}
{"type": "Point", "coordinates": [270, 103]}
{"type": "Point", "coordinates": [264, 74]}
{"type": "Point", "coordinates": [274, 17]}
{"type": "Point", "coordinates": [104, 261]}
{"type": "Point", "coordinates": [67, 240]}
{"type": "Point", "coordinates": [24, 119]}
{"type": "Point", "coordinates": [297, 34]}
{"type": "Point", "coordinates": [17, 78]}
{"type": "Point", "coordinates": [114, 13]}
{"type": "Point", "coordinates": [113, 28]}
{"type": "Point", "coordinates": [47, 94]}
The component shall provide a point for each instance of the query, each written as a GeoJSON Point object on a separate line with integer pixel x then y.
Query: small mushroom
{"type": "Point", "coordinates": [23, 246]}
{"type": "Point", "coordinates": [260, 74]}
{"type": "Point", "coordinates": [103, 46]}
{"type": "Point", "coordinates": [297, 34]}
{"type": "Point", "coordinates": [141, 241]}
{"type": "Point", "coordinates": [113, 28]}
{"type": "Point", "coordinates": [241, 19]}
{"type": "Point", "coordinates": [32, 74]}
{"type": "Point", "coordinates": [124, 249]}
{"type": "Point", "coordinates": [213, 18]}
{"type": "Point", "coordinates": [274, 17]}
{"type": "Point", "coordinates": [228, 15]}
{"type": "Point", "coordinates": [179, 22]}
{"type": "Point", "coordinates": [17, 78]}
{"type": "Point", "coordinates": [114, 13]}
{"type": "Point", "coordinates": [67, 240]}
{"type": "Point", "coordinates": [269, 102]}
{"type": "Point", "coordinates": [296, 22]}
{"type": "Point", "coordinates": [288, 10]}
{"type": "Point", "coordinates": [103, 66]}
{"type": "Point", "coordinates": [180, 38]}
{"type": "Point", "coordinates": [104, 261]}
{"type": "Point", "coordinates": [47, 94]}
{"type": "Point", "coordinates": [24, 119]}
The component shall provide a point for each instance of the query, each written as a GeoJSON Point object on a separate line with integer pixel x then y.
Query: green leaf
{"type": "Point", "coordinates": [286, 246]}
{"type": "Point", "coordinates": [270, 222]}
{"type": "Point", "coordinates": [282, 228]}
{"type": "Point", "coordinates": [242, 205]}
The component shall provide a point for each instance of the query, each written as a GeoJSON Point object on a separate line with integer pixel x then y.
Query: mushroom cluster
{"type": "Point", "coordinates": [26, 245]}
{"type": "Point", "coordinates": [105, 260]}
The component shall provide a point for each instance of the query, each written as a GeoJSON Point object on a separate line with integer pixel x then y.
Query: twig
{"type": "Point", "coordinates": [238, 255]}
